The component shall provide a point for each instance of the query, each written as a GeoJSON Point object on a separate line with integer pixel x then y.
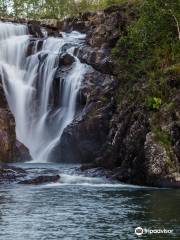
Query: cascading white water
{"type": "Point", "coordinates": [27, 83]}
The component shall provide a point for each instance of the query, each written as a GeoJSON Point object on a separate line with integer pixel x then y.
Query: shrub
{"type": "Point", "coordinates": [153, 103]}
{"type": "Point", "coordinates": [152, 44]}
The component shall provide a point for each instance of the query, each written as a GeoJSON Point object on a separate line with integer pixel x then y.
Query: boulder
{"type": "Point", "coordinates": [35, 29]}
{"type": "Point", "coordinates": [21, 153]}
{"type": "Point", "coordinates": [66, 59]}
{"type": "Point", "coordinates": [99, 59]}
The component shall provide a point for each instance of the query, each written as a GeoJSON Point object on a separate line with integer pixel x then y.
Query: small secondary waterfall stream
{"type": "Point", "coordinates": [27, 82]}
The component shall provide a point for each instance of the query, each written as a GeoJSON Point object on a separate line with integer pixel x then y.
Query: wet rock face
{"type": "Point", "coordinates": [175, 135]}
{"type": "Point", "coordinates": [135, 153]}
{"type": "Point", "coordinates": [99, 59]}
{"type": "Point", "coordinates": [82, 140]}
{"type": "Point", "coordinates": [21, 153]}
{"type": "Point", "coordinates": [3, 102]}
{"type": "Point", "coordinates": [123, 149]}
{"type": "Point", "coordinates": [66, 59]}
{"type": "Point", "coordinates": [7, 135]}
{"type": "Point", "coordinates": [7, 129]}
{"type": "Point", "coordinates": [103, 28]}
{"type": "Point", "coordinates": [10, 148]}
{"type": "Point", "coordinates": [34, 46]}
{"type": "Point", "coordinates": [35, 29]}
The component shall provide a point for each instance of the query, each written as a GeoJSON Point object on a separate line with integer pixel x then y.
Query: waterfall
{"type": "Point", "coordinates": [27, 82]}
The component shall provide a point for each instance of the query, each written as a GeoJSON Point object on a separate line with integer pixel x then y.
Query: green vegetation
{"type": "Point", "coordinates": [153, 103]}
{"type": "Point", "coordinates": [38, 9]}
{"type": "Point", "coordinates": [151, 49]}
{"type": "Point", "coordinates": [162, 137]}
{"type": "Point", "coordinates": [148, 56]}
{"type": "Point", "coordinates": [165, 140]}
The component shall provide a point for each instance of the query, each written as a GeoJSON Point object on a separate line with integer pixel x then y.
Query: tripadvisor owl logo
{"type": "Point", "coordinates": [139, 231]}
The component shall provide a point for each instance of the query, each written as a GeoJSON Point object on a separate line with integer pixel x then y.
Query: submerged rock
{"type": "Point", "coordinates": [11, 174]}
{"type": "Point", "coordinates": [41, 179]}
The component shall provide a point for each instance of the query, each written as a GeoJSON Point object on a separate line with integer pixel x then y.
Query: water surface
{"type": "Point", "coordinates": [80, 208]}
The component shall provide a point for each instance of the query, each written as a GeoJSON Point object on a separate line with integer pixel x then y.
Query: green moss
{"type": "Point", "coordinates": [170, 165]}
{"type": "Point", "coordinates": [170, 106]}
{"type": "Point", "coordinates": [162, 137]}
{"type": "Point", "coordinates": [153, 103]}
{"type": "Point", "coordinates": [173, 69]}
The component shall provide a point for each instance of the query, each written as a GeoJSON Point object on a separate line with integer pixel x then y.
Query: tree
{"type": "Point", "coordinates": [4, 7]}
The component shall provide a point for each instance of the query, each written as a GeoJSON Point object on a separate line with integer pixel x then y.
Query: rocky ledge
{"type": "Point", "coordinates": [12, 174]}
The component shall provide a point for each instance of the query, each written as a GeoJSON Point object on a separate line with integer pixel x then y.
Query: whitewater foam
{"type": "Point", "coordinates": [27, 82]}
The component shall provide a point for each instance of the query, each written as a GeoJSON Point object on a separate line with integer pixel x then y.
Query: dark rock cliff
{"type": "Point", "coordinates": [125, 138]}
{"type": "Point", "coordinates": [82, 141]}
{"type": "Point", "coordinates": [138, 145]}
{"type": "Point", "coordinates": [10, 148]}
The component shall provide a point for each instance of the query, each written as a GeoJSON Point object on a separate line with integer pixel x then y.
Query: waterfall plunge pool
{"type": "Point", "coordinates": [79, 208]}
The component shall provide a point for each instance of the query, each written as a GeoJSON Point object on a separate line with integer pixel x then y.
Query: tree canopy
{"type": "Point", "coordinates": [50, 8]}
